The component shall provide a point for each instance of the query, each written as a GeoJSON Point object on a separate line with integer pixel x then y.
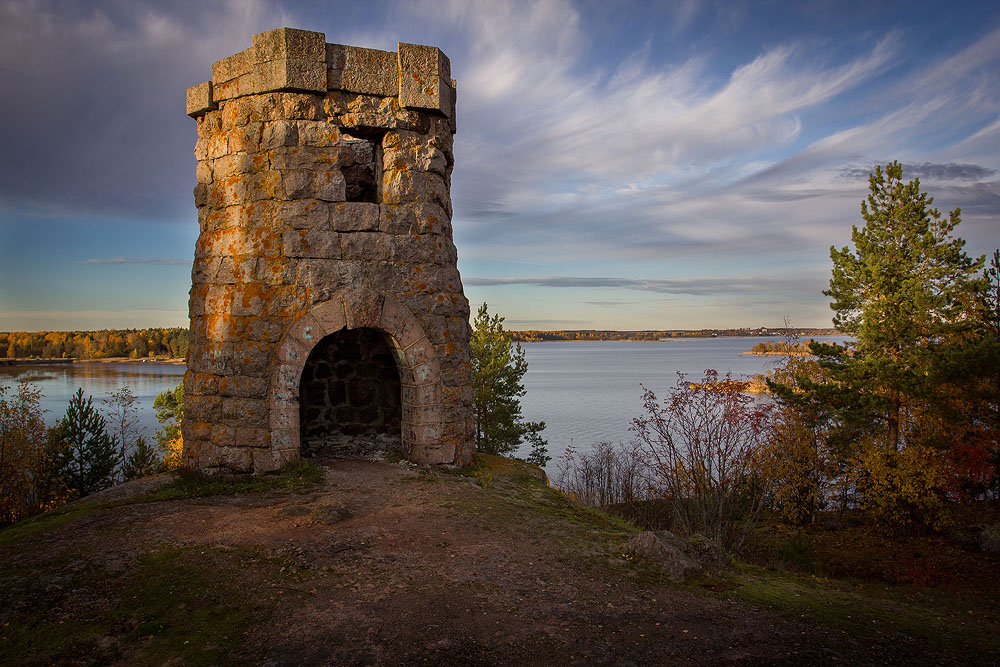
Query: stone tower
{"type": "Point", "coordinates": [325, 295]}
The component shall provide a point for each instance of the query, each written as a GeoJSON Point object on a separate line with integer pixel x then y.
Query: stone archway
{"type": "Point", "coordinates": [421, 427]}
{"type": "Point", "coordinates": [350, 398]}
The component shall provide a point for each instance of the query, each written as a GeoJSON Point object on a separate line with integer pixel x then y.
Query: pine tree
{"type": "Point", "coordinates": [144, 460]}
{"type": "Point", "coordinates": [88, 461]}
{"type": "Point", "coordinates": [903, 294]}
{"type": "Point", "coordinates": [498, 365]}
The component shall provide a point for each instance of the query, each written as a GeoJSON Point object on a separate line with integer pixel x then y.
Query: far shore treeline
{"type": "Point", "coordinates": [600, 334]}
{"type": "Point", "coordinates": [172, 342]}
{"type": "Point", "coordinates": [104, 344]}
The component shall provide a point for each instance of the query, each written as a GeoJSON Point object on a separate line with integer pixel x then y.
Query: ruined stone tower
{"type": "Point", "coordinates": [326, 298]}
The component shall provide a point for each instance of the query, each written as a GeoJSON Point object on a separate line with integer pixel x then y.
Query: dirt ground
{"type": "Point", "coordinates": [384, 564]}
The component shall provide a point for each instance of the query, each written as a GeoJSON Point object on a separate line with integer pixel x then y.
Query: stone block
{"type": "Point", "coordinates": [316, 243]}
{"type": "Point", "coordinates": [284, 416]}
{"type": "Point", "coordinates": [279, 133]}
{"type": "Point", "coordinates": [415, 218]}
{"type": "Point", "coordinates": [426, 374]}
{"type": "Point", "coordinates": [362, 308]}
{"type": "Point", "coordinates": [359, 70]}
{"type": "Point", "coordinates": [290, 74]}
{"type": "Point", "coordinates": [406, 187]}
{"type": "Point", "coordinates": [425, 78]}
{"type": "Point", "coordinates": [366, 246]}
{"type": "Point", "coordinates": [199, 99]}
{"type": "Point", "coordinates": [285, 439]}
{"type": "Point", "coordinates": [236, 459]}
{"type": "Point", "coordinates": [234, 66]}
{"type": "Point", "coordinates": [354, 217]}
{"type": "Point", "coordinates": [304, 214]}
{"type": "Point", "coordinates": [252, 437]}
{"type": "Point", "coordinates": [200, 384]}
{"type": "Point", "coordinates": [242, 387]}
{"type": "Point", "coordinates": [290, 43]}
{"type": "Point", "coordinates": [420, 352]}
{"type": "Point", "coordinates": [291, 351]}
{"type": "Point", "coordinates": [318, 133]}
{"type": "Point", "coordinates": [329, 185]}
{"type": "Point", "coordinates": [222, 435]}
{"type": "Point", "coordinates": [245, 412]}
{"type": "Point", "coordinates": [306, 331]}
{"type": "Point", "coordinates": [400, 323]}
{"type": "Point", "coordinates": [331, 316]}
{"type": "Point", "coordinates": [199, 430]}
{"type": "Point", "coordinates": [417, 395]}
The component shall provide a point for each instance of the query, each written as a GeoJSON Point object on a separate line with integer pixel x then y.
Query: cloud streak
{"type": "Point", "coordinates": [688, 286]}
{"type": "Point", "coordinates": [162, 261]}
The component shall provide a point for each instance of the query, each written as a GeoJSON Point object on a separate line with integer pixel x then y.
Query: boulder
{"type": "Point", "coordinates": [679, 557]}
{"type": "Point", "coordinates": [673, 560]}
{"type": "Point", "coordinates": [989, 539]}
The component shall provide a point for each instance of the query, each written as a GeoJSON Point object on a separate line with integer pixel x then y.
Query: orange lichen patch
{"type": "Point", "coordinates": [217, 326]}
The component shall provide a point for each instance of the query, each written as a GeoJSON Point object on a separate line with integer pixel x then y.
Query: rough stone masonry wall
{"type": "Point", "coordinates": [323, 199]}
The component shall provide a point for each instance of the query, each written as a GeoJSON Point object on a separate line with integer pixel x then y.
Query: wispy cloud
{"type": "Point", "coordinates": [610, 304]}
{"type": "Point", "coordinates": [939, 172]}
{"type": "Point", "coordinates": [164, 261]}
{"type": "Point", "coordinates": [691, 286]}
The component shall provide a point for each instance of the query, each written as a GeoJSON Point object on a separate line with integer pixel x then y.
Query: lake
{"type": "Point", "coordinates": [585, 391]}
{"type": "Point", "coordinates": [58, 383]}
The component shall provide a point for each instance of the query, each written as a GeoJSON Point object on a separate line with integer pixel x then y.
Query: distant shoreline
{"type": "Point", "coordinates": [34, 361]}
{"type": "Point", "coordinates": [662, 335]}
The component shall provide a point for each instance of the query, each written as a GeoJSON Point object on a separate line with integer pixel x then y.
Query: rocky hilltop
{"type": "Point", "coordinates": [357, 562]}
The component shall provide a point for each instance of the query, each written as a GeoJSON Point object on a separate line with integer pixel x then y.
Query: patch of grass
{"type": "Point", "coordinates": [197, 484]}
{"type": "Point", "coordinates": [44, 522]}
{"type": "Point", "coordinates": [189, 484]}
{"type": "Point", "coordinates": [796, 552]}
{"type": "Point", "coordinates": [948, 622]}
{"type": "Point", "coordinates": [194, 604]}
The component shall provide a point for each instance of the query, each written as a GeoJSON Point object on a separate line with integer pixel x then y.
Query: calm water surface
{"type": "Point", "coordinates": [585, 391]}
{"type": "Point", "coordinates": [589, 391]}
{"type": "Point", "coordinates": [58, 382]}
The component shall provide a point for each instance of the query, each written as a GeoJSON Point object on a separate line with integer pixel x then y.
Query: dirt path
{"type": "Point", "coordinates": [381, 564]}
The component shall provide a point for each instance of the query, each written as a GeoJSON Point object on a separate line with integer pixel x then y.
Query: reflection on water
{"type": "Point", "coordinates": [59, 382]}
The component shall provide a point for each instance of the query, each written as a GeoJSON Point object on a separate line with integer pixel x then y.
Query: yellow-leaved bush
{"type": "Point", "coordinates": [172, 453]}
{"type": "Point", "coordinates": [900, 487]}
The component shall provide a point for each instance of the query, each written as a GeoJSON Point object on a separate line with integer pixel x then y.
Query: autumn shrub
{"type": "Point", "coordinates": [899, 488]}
{"type": "Point", "coordinates": [701, 448]}
{"type": "Point", "coordinates": [172, 451]}
{"type": "Point", "coordinates": [609, 474]}
{"type": "Point", "coordinates": [798, 466]}
{"type": "Point", "coordinates": [919, 571]}
{"type": "Point", "coordinates": [29, 481]}
{"type": "Point", "coordinates": [22, 440]}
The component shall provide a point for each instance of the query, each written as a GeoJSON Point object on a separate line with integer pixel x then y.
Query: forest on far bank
{"type": "Point", "coordinates": [106, 343]}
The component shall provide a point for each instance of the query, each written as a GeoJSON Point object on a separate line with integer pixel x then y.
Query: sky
{"type": "Point", "coordinates": [619, 165]}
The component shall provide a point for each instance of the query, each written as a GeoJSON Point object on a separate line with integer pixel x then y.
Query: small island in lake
{"type": "Point", "coordinates": [782, 348]}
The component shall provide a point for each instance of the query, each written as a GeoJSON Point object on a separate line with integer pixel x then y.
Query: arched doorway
{"type": "Point", "coordinates": [350, 395]}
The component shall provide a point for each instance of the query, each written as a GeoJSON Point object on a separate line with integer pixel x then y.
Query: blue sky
{"type": "Point", "coordinates": [619, 165]}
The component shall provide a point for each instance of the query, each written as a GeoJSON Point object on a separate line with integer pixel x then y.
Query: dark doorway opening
{"type": "Point", "coordinates": [349, 396]}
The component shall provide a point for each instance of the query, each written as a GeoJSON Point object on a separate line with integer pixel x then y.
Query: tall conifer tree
{"type": "Point", "coordinates": [905, 293]}
{"type": "Point", "coordinates": [498, 365]}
